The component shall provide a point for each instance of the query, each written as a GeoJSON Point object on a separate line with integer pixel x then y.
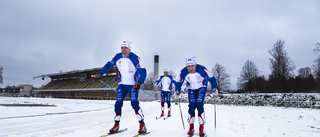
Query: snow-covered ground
{"type": "Point", "coordinates": [93, 118]}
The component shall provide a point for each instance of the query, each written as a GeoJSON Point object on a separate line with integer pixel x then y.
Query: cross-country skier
{"type": "Point", "coordinates": [166, 88]}
{"type": "Point", "coordinates": [131, 75]}
{"type": "Point", "coordinates": [196, 77]}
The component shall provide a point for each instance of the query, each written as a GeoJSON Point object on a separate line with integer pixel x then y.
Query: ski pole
{"type": "Point", "coordinates": [107, 85]}
{"type": "Point", "coordinates": [150, 94]}
{"type": "Point", "coordinates": [116, 91]}
{"type": "Point", "coordinates": [215, 109]}
{"type": "Point", "coordinates": [181, 113]}
{"type": "Point", "coordinates": [215, 114]}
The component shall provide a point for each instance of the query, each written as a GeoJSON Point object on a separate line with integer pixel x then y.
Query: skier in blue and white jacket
{"type": "Point", "coordinates": [196, 77]}
{"type": "Point", "coordinates": [166, 81]}
{"type": "Point", "coordinates": [131, 75]}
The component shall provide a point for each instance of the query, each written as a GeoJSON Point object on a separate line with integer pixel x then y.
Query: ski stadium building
{"type": "Point", "coordinates": [81, 84]}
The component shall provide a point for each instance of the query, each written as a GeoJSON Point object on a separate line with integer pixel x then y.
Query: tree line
{"type": "Point", "coordinates": [1, 78]}
{"type": "Point", "coordinates": [281, 79]}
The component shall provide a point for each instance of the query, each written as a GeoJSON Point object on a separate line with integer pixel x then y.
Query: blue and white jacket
{"type": "Point", "coordinates": [197, 79]}
{"type": "Point", "coordinates": [130, 69]}
{"type": "Point", "coordinates": [166, 82]}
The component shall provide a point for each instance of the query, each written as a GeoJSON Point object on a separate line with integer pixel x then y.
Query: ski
{"type": "Point", "coordinates": [119, 131]}
{"type": "Point", "coordinates": [164, 118]}
{"type": "Point", "coordinates": [158, 117]}
{"type": "Point", "coordinates": [141, 134]}
{"type": "Point", "coordinates": [191, 135]}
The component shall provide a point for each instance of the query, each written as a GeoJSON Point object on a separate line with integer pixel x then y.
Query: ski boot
{"type": "Point", "coordinates": [115, 128]}
{"type": "Point", "coordinates": [162, 114]}
{"type": "Point", "coordinates": [201, 132]}
{"type": "Point", "coordinates": [169, 113]}
{"type": "Point", "coordinates": [191, 129]}
{"type": "Point", "coordinates": [142, 128]}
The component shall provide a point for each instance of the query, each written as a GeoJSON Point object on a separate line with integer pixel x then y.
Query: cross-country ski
{"type": "Point", "coordinates": [195, 134]}
{"type": "Point", "coordinates": [141, 134]}
{"type": "Point", "coordinates": [119, 131]}
{"type": "Point", "coordinates": [159, 117]}
{"type": "Point", "coordinates": [166, 117]}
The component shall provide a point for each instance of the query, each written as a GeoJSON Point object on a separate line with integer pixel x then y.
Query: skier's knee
{"type": "Point", "coordinates": [135, 105]}
{"type": "Point", "coordinates": [118, 104]}
{"type": "Point", "coordinates": [169, 104]}
{"type": "Point", "coordinates": [200, 107]}
{"type": "Point", "coordinates": [168, 101]}
{"type": "Point", "coordinates": [192, 103]}
{"type": "Point", "coordinates": [199, 104]}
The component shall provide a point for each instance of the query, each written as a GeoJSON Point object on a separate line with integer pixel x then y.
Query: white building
{"type": "Point", "coordinates": [25, 90]}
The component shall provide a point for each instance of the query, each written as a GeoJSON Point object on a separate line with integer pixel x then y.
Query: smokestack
{"type": "Point", "coordinates": [156, 67]}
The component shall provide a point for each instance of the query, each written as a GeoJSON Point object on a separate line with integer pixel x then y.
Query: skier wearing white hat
{"type": "Point", "coordinates": [166, 81]}
{"type": "Point", "coordinates": [131, 75]}
{"type": "Point", "coordinates": [196, 77]}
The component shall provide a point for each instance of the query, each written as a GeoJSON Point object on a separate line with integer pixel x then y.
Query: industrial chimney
{"type": "Point", "coordinates": [156, 67]}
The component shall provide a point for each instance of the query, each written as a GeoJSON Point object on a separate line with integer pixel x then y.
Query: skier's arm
{"type": "Point", "coordinates": [173, 81]}
{"type": "Point", "coordinates": [157, 81]}
{"type": "Point", "coordinates": [178, 85]}
{"type": "Point", "coordinates": [141, 72]}
{"type": "Point", "coordinates": [211, 79]}
{"type": "Point", "coordinates": [213, 83]}
{"type": "Point", "coordinates": [106, 68]}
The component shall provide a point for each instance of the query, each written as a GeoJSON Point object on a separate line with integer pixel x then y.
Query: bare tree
{"type": "Point", "coordinates": [248, 75]}
{"type": "Point", "coordinates": [304, 72]}
{"type": "Point", "coordinates": [172, 73]}
{"type": "Point", "coordinates": [281, 66]}
{"type": "Point", "coordinates": [149, 82]}
{"type": "Point", "coordinates": [317, 50]}
{"type": "Point", "coordinates": [305, 81]}
{"type": "Point", "coordinates": [1, 78]}
{"type": "Point", "coordinates": [223, 78]}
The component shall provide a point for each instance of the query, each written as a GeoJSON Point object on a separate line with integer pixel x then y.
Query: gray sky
{"type": "Point", "coordinates": [43, 37]}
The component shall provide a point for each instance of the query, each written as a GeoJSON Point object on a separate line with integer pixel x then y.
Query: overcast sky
{"type": "Point", "coordinates": [43, 37]}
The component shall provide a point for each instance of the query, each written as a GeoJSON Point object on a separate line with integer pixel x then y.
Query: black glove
{"type": "Point", "coordinates": [98, 76]}
{"type": "Point", "coordinates": [137, 85]}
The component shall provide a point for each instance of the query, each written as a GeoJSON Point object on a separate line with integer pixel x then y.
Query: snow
{"type": "Point", "coordinates": [93, 118]}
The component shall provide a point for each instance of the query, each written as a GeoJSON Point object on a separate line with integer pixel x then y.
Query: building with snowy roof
{"type": "Point", "coordinates": [81, 84]}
